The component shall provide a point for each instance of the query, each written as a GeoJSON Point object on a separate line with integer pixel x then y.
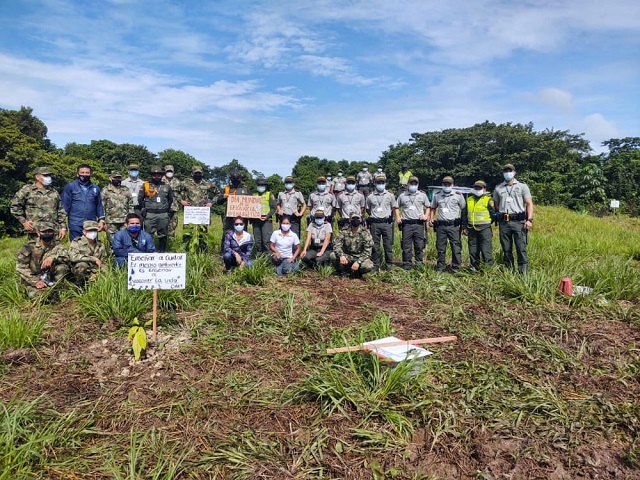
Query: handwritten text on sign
{"type": "Point", "coordinates": [157, 271]}
{"type": "Point", "coordinates": [197, 215]}
{"type": "Point", "coordinates": [244, 206]}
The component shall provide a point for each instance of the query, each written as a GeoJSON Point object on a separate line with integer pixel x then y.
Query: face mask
{"type": "Point", "coordinates": [91, 235]}
{"type": "Point", "coordinates": [355, 222]}
{"type": "Point", "coordinates": [238, 228]}
{"type": "Point", "coordinates": [319, 221]}
{"type": "Point", "coordinates": [134, 173]}
{"type": "Point", "coordinates": [285, 227]}
{"type": "Point", "coordinates": [116, 183]}
{"type": "Point", "coordinates": [379, 170]}
{"type": "Point", "coordinates": [447, 189]}
{"type": "Point", "coordinates": [328, 179]}
{"type": "Point", "coordinates": [197, 177]}
{"type": "Point", "coordinates": [509, 175]}
{"type": "Point", "coordinates": [478, 193]}
{"type": "Point", "coordinates": [84, 178]}
{"type": "Point", "coordinates": [413, 188]}
{"type": "Point", "coordinates": [46, 181]}
{"type": "Point", "coordinates": [156, 181]}
{"type": "Point", "coordinates": [351, 187]}
{"type": "Point", "coordinates": [169, 174]}
{"type": "Point", "coordinates": [134, 228]}
{"type": "Point", "coordinates": [365, 169]}
{"type": "Point", "coordinates": [48, 237]}
{"type": "Point", "coordinates": [339, 174]}
{"type": "Point", "coordinates": [321, 188]}
{"type": "Point", "coordinates": [288, 186]}
{"type": "Point", "coordinates": [380, 187]}
{"type": "Point", "coordinates": [262, 189]}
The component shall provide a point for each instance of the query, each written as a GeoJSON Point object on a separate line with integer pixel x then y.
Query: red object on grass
{"type": "Point", "coordinates": [566, 286]}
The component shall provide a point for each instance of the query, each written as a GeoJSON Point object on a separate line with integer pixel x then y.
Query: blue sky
{"type": "Point", "coordinates": [266, 82]}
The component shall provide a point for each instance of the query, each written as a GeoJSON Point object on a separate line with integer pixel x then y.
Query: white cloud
{"type": "Point", "coordinates": [598, 129]}
{"type": "Point", "coordinates": [557, 98]}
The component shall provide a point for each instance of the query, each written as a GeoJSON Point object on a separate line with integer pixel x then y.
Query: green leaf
{"type": "Point", "coordinates": [139, 343]}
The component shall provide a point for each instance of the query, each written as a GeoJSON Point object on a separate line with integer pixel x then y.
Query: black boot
{"type": "Point", "coordinates": [162, 244]}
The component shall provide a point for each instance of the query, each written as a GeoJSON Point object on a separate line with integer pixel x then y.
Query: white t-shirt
{"type": "Point", "coordinates": [284, 243]}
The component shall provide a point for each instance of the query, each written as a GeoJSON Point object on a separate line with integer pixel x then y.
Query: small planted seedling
{"type": "Point", "coordinates": [138, 338]}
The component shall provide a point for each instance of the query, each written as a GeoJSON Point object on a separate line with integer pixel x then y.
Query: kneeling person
{"type": "Point", "coordinates": [352, 248]}
{"type": "Point", "coordinates": [42, 261]}
{"type": "Point", "coordinates": [87, 254]}
{"type": "Point", "coordinates": [237, 246]}
{"type": "Point", "coordinates": [131, 239]}
{"type": "Point", "coordinates": [317, 245]}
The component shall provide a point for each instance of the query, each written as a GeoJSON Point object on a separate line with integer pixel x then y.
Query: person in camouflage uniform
{"type": "Point", "coordinates": [117, 203]}
{"type": "Point", "coordinates": [352, 249]}
{"type": "Point", "coordinates": [39, 202]}
{"type": "Point", "coordinates": [42, 261]}
{"type": "Point", "coordinates": [87, 254]}
{"type": "Point", "coordinates": [196, 192]}
{"type": "Point", "coordinates": [155, 199]}
{"type": "Point", "coordinates": [170, 179]}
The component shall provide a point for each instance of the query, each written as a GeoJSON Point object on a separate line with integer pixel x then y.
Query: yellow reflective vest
{"type": "Point", "coordinates": [265, 197]}
{"type": "Point", "coordinates": [478, 210]}
{"type": "Point", "coordinates": [404, 177]}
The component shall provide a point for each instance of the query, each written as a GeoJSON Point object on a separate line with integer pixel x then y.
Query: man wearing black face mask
{"type": "Point", "coordinates": [117, 203]}
{"type": "Point", "coordinates": [155, 199]}
{"type": "Point", "coordinates": [352, 249]}
{"type": "Point", "coordinates": [82, 200]}
{"type": "Point", "coordinates": [43, 261]}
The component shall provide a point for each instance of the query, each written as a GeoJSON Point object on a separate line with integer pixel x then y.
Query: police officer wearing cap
{"type": "Point", "coordinates": [291, 202]}
{"type": "Point", "coordinates": [447, 214]}
{"type": "Point", "coordinates": [134, 184]}
{"type": "Point", "coordinates": [381, 206]}
{"type": "Point", "coordinates": [155, 199]}
{"type": "Point", "coordinates": [321, 199]}
{"type": "Point", "coordinates": [411, 216]}
{"type": "Point", "coordinates": [349, 201]}
{"type": "Point", "coordinates": [480, 214]}
{"type": "Point", "coordinates": [317, 245]}
{"type": "Point", "coordinates": [515, 217]}
{"type": "Point", "coordinates": [339, 184]}
{"type": "Point", "coordinates": [365, 179]}
{"type": "Point", "coordinates": [263, 226]}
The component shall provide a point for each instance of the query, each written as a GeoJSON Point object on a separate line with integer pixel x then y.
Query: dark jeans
{"type": "Point", "coordinates": [480, 247]}
{"type": "Point", "coordinates": [450, 234]}
{"type": "Point", "coordinates": [514, 233]}
{"type": "Point", "coordinates": [311, 258]}
{"type": "Point", "coordinates": [262, 234]}
{"type": "Point", "coordinates": [384, 232]}
{"type": "Point", "coordinates": [413, 241]}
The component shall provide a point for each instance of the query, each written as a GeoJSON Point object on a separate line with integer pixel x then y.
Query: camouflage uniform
{"type": "Point", "coordinates": [83, 257]}
{"type": "Point", "coordinates": [198, 194]}
{"type": "Point", "coordinates": [356, 246]}
{"type": "Point", "coordinates": [176, 185]}
{"type": "Point", "coordinates": [117, 203]}
{"type": "Point", "coordinates": [39, 205]}
{"type": "Point", "coordinates": [155, 201]}
{"type": "Point", "coordinates": [29, 261]}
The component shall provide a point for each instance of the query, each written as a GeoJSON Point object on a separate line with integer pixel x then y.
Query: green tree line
{"type": "Point", "coordinates": [558, 166]}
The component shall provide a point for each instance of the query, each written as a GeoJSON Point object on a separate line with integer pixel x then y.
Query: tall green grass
{"type": "Point", "coordinates": [18, 330]}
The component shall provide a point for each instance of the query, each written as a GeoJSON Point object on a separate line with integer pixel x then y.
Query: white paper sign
{"type": "Point", "coordinates": [157, 271]}
{"type": "Point", "coordinates": [197, 215]}
{"type": "Point", "coordinates": [615, 203]}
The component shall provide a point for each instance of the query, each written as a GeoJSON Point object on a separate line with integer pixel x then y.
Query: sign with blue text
{"type": "Point", "coordinates": [157, 271]}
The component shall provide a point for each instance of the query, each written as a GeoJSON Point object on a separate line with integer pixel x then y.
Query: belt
{"type": "Point", "coordinates": [380, 220]}
{"type": "Point", "coordinates": [447, 223]}
{"type": "Point", "coordinates": [157, 210]}
{"type": "Point", "coordinates": [512, 217]}
{"type": "Point", "coordinates": [412, 221]}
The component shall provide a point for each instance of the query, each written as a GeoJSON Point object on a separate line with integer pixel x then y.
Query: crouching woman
{"type": "Point", "coordinates": [237, 246]}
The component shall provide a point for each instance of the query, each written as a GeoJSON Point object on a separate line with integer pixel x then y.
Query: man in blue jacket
{"type": "Point", "coordinates": [131, 239]}
{"type": "Point", "coordinates": [82, 201]}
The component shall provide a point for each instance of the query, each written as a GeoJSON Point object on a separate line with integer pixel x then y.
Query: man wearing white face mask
{"type": "Point", "coordinates": [87, 254]}
{"type": "Point", "coordinates": [381, 206]}
{"type": "Point", "coordinates": [448, 208]}
{"type": "Point", "coordinates": [480, 214]}
{"type": "Point", "coordinates": [263, 226]}
{"type": "Point", "coordinates": [39, 202]}
{"type": "Point", "coordinates": [515, 217]}
{"type": "Point", "coordinates": [291, 203]}
{"type": "Point", "coordinates": [321, 199]}
{"type": "Point", "coordinates": [414, 206]}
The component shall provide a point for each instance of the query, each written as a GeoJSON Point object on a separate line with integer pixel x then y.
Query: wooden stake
{"type": "Point", "coordinates": [396, 343]}
{"type": "Point", "coordinates": [155, 315]}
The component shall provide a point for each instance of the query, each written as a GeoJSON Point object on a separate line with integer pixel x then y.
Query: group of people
{"type": "Point", "coordinates": [360, 209]}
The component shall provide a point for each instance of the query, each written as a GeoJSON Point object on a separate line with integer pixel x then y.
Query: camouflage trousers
{"type": "Point", "coordinates": [173, 225]}
{"type": "Point", "coordinates": [56, 273]}
{"type": "Point", "coordinates": [113, 228]}
{"type": "Point", "coordinates": [82, 271]}
{"type": "Point", "coordinates": [365, 267]}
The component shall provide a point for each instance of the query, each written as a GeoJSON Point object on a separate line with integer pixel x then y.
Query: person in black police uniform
{"type": "Point", "coordinates": [155, 199]}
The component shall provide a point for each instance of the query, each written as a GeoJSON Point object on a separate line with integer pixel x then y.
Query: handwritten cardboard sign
{"type": "Point", "coordinates": [197, 215]}
{"type": "Point", "coordinates": [157, 271]}
{"type": "Point", "coordinates": [244, 206]}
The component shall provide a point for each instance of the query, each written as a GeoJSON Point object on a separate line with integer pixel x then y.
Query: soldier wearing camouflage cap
{"type": "Point", "coordinates": [156, 199]}
{"type": "Point", "coordinates": [117, 203]}
{"type": "Point", "coordinates": [196, 192]}
{"type": "Point", "coordinates": [173, 181]}
{"type": "Point", "coordinates": [87, 254]}
{"type": "Point", "coordinates": [39, 202]}
{"type": "Point", "coordinates": [42, 261]}
{"type": "Point", "coordinates": [352, 248]}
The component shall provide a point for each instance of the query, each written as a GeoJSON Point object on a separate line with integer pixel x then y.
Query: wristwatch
{"type": "Point", "coordinates": [530, 220]}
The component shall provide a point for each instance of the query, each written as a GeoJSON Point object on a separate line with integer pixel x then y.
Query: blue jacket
{"type": "Point", "coordinates": [231, 245]}
{"type": "Point", "coordinates": [82, 203]}
{"type": "Point", "coordinates": [122, 244]}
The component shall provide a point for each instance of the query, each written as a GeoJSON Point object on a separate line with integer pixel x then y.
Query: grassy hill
{"type": "Point", "coordinates": [238, 386]}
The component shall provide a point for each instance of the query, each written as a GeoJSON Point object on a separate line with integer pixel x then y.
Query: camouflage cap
{"type": "Point", "coordinates": [261, 181]}
{"type": "Point", "coordinates": [381, 178]}
{"type": "Point", "coordinates": [90, 225]}
{"type": "Point", "coordinates": [42, 226]}
{"type": "Point", "coordinates": [480, 183]}
{"type": "Point", "coordinates": [509, 166]}
{"type": "Point", "coordinates": [116, 173]}
{"type": "Point", "coordinates": [414, 180]}
{"type": "Point", "coordinates": [448, 179]}
{"type": "Point", "coordinates": [351, 178]}
{"type": "Point", "coordinates": [168, 168]}
{"type": "Point", "coordinates": [355, 214]}
{"type": "Point", "coordinates": [133, 166]}
{"type": "Point", "coordinates": [156, 169]}
{"type": "Point", "coordinates": [43, 170]}
{"type": "Point", "coordinates": [288, 179]}
{"type": "Point", "coordinates": [196, 169]}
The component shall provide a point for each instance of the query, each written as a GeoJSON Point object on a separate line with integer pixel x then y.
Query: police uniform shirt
{"type": "Point", "coordinates": [289, 201]}
{"type": "Point", "coordinates": [321, 200]}
{"type": "Point", "coordinates": [364, 178]}
{"type": "Point", "coordinates": [339, 184]}
{"type": "Point", "coordinates": [448, 206]}
{"type": "Point", "coordinates": [511, 198]}
{"type": "Point", "coordinates": [381, 204]}
{"type": "Point", "coordinates": [318, 233]}
{"type": "Point", "coordinates": [134, 187]}
{"type": "Point", "coordinates": [412, 205]}
{"type": "Point", "coordinates": [350, 202]}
